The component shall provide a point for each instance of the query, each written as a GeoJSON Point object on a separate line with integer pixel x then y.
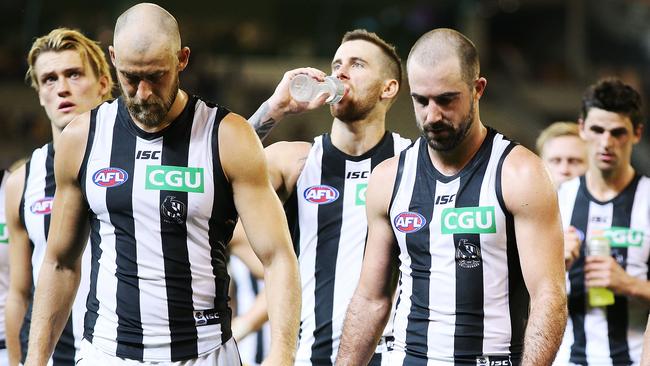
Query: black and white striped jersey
{"type": "Point", "coordinates": [35, 209]}
{"type": "Point", "coordinates": [161, 215]}
{"type": "Point", "coordinates": [4, 254]}
{"type": "Point", "coordinates": [462, 298]}
{"type": "Point", "coordinates": [329, 234]}
{"type": "Point", "coordinates": [611, 335]}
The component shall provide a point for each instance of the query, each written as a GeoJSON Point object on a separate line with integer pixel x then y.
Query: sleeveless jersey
{"type": "Point", "coordinates": [4, 257]}
{"type": "Point", "coordinates": [161, 215]}
{"type": "Point", "coordinates": [253, 348]}
{"type": "Point", "coordinates": [611, 335]}
{"type": "Point", "coordinates": [462, 298]}
{"type": "Point", "coordinates": [35, 209]}
{"type": "Point", "coordinates": [329, 234]}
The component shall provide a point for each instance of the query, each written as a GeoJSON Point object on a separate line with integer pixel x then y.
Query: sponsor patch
{"type": "Point", "coordinates": [623, 237]}
{"type": "Point", "coordinates": [4, 234]}
{"type": "Point", "coordinates": [110, 177]}
{"type": "Point", "coordinates": [321, 194]}
{"type": "Point", "coordinates": [360, 194]}
{"type": "Point", "coordinates": [409, 222]}
{"type": "Point", "coordinates": [469, 220]}
{"type": "Point", "coordinates": [174, 178]}
{"type": "Point", "coordinates": [42, 206]}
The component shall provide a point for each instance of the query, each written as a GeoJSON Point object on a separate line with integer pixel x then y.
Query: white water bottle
{"type": "Point", "coordinates": [304, 88]}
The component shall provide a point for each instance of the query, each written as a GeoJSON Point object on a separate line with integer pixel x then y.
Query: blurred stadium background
{"type": "Point", "coordinates": [538, 55]}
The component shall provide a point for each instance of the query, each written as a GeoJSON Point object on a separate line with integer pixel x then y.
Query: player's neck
{"type": "Point", "coordinates": [605, 185]}
{"type": "Point", "coordinates": [451, 162]}
{"type": "Point", "coordinates": [356, 138]}
{"type": "Point", "coordinates": [177, 107]}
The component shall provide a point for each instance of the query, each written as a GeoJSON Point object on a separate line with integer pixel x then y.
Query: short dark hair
{"type": "Point", "coordinates": [394, 64]}
{"type": "Point", "coordinates": [613, 95]}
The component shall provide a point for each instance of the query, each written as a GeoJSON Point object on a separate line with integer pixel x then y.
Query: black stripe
{"type": "Point", "coordinates": [259, 335]}
{"type": "Point", "coordinates": [577, 301]}
{"type": "Point", "coordinates": [221, 225]}
{"type": "Point", "coordinates": [291, 211]}
{"type": "Point", "coordinates": [418, 247]}
{"type": "Point", "coordinates": [178, 275]}
{"type": "Point", "coordinates": [119, 204]}
{"type": "Point", "coordinates": [92, 304]}
{"type": "Point", "coordinates": [21, 207]}
{"type": "Point", "coordinates": [329, 231]}
{"type": "Point", "coordinates": [384, 150]}
{"type": "Point", "coordinates": [398, 177]}
{"type": "Point", "coordinates": [518, 296]}
{"type": "Point", "coordinates": [89, 145]}
{"type": "Point", "coordinates": [618, 313]}
{"type": "Point", "coordinates": [468, 335]}
{"type": "Point", "coordinates": [50, 184]}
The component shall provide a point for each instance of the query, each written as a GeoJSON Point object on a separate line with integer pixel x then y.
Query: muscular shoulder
{"type": "Point", "coordinates": [14, 190]}
{"type": "Point", "coordinates": [71, 146]}
{"type": "Point", "coordinates": [525, 181]}
{"type": "Point", "coordinates": [381, 185]}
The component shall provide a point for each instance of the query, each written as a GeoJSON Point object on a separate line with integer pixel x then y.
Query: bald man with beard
{"type": "Point", "coordinates": [159, 178]}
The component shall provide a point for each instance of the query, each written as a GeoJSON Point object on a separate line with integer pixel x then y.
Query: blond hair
{"type": "Point", "coordinates": [63, 39]}
{"type": "Point", "coordinates": [556, 129]}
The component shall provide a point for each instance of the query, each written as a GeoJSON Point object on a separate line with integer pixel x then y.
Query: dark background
{"type": "Point", "coordinates": [538, 55]}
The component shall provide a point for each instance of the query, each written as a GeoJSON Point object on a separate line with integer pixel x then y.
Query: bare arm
{"type": "Point", "coordinates": [645, 355]}
{"type": "Point", "coordinates": [281, 104]}
{"type": "Point", "coordinates": [20, 266]}
{"type": "Point", "coordinates": [603, 271]}
{"type": "Point", "coordinates": [59, 275]}
{"type": "Point", "coordinates": [252, 320]}
{"type": "Point", "coordinates": [266, 228]}
{"type": "Point", "coordinates": [370, 306]}
{"type": "Point", "coordinates": [530, 197]}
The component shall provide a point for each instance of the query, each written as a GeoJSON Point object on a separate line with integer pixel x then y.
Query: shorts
{"type": "Point", "coordinates": [226, 355]}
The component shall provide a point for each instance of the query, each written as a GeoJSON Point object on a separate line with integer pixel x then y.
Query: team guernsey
{"type": "Point", "coordinates": [161, 214]}
{"type": "Point", "coordinates": [34, 212]}
{"type": "Point", "coordinates": [4, 263]}
{"type": "Point", "coordinates": [462, 298]}
{"type": "Point", "coordinates": [329, 234]}
{"type": "Point", "coordinates": [611, 335]}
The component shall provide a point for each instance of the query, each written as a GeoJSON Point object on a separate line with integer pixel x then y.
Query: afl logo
{"type": "Point", "coordinates": [42, 206]}
{"type": "Point", "coordinates": [409, 222]}
{"type": "Point", "coordinates": [321, 195]}
{"type": "Point", "coordinates": [110, 177]}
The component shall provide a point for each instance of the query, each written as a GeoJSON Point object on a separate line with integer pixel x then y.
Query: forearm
{"type": "Point", "coordinates": [546, 324]}
{"type": "Point", "coordinates": [55, 292]}
{"type": "Point", "coordinates": [15, 310]}
{"type": "Point", "coordinates": [637, 288]}
{"type": "Point", "coordinates": [364, 322]}
{"type": "Point", "coordinates": [252, 320]}
{"type": "Point", "coordinates": [263, 121]}
{"type": "Point", "coordinates": [282, 287]}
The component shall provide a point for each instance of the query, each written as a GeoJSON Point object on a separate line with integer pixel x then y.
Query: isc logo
{"type": "Point", "coordinates": [321, 195]}
{"type": "Point", "coordinates": [110, 177]}
{"type": "Point", "coordinates": [42, 207]}
{"type": "Point", "coordinates": [409, 222]}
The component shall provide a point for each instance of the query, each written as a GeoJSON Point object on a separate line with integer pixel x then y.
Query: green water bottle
{"type": "Point", "coordinates": [599, 296]}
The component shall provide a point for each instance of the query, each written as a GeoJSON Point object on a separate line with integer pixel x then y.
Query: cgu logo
{"type": "Point", "coordinates": [42, 206]}
{"type": "Point", "coordinates": [110, 177]}
{"type": "Point", "coordinates": [622, 237]}
{"type": "Point", "coordinates": [469, 220]}
{"type": "Point", "coordinates": [174, 178]}
{"type": "Point", "coordinates": [409, 222]}
{"type": "Point", "coordinates": [321, 195]}
{"type": "Point", "coordinates": [4, 235]}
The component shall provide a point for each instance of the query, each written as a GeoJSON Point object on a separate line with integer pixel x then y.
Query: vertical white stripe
{"type": "Point", "coordinates": [199, 211]}
{"type": "Point", "coordinates": [442, 288]}
{"type": "Point", "coordinates": [351, 245]}
{"type": "Point", "coordinates": [310, 176]}
{"type": "Point", "coordinates": [401, 204]}
{"type": "Point", "coordinates": [151, 273]}
{"type": "Point", "coordinates": [596, 330]}
{"type": "Point", "coordinates": [34, 222]}
{"type": "Point", "coordinates": [496, 295]}
{"type": "Point", "coordinates": [105, 330]}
